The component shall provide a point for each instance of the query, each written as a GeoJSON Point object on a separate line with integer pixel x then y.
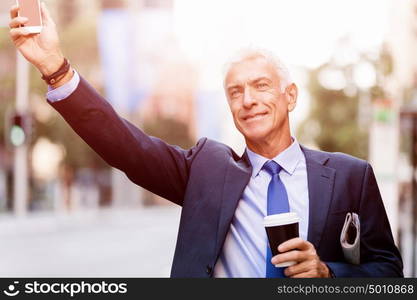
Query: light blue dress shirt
{"type": "Point", "coordinates": [244, 250]}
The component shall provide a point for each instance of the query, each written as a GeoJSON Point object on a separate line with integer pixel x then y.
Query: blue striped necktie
{"type": "Point", "coordinates": [277, 203]}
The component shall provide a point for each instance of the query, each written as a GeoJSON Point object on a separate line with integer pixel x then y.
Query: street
{"type": "Point", "coordinates": [101, 243]}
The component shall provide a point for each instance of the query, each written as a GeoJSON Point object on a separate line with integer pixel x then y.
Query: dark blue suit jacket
{"type": "Point", "coordinates": [208, 180]}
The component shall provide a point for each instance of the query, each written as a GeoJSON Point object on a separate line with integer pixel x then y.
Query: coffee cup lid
{"type": "Point", "coordinates": [281, 219]}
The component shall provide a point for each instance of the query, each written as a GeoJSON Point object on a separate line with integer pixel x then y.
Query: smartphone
{"type": "Point", "coordinates": [31, 9]}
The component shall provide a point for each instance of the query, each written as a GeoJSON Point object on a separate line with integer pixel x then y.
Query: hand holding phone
{"type": "Point", "coordinates": [31, 9]}
{"type": "Point", "coordinates": [43, 49]}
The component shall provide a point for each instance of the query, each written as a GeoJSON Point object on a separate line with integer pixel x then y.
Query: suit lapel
{"type": "Point", "coordinates": [236, 179]}
{"type": "Point", "coordinates": [320, 189]}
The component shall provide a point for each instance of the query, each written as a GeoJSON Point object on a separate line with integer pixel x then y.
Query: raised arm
{"type": "Point", "coordinates": [147, 161]}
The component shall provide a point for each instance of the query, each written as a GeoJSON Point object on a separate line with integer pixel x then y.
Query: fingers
{"type": "Point", "coordinates": [294, 255]}
{"type": "Point", "coordinates": [297, 269]}
{"type": "Point", "coordinates": [14, 11]}
{"type": "Point", "coordinates": [295, 243]}
{"type": "Point", "coordinates": [16, 33]}
{"type": "Point", "coordinates": [295, 250]}
{"type": "Point", "coordinates": [304, 275]}
{"type": "Point", "coordinates": [311, 267]}
{"type": "Point", "coordinates": [18, 22]}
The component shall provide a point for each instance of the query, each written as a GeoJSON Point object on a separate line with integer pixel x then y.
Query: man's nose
{"type": "Point", "coordinates": [248, 99]}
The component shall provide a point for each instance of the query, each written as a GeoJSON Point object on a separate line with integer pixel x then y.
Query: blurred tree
{"type": "Point", "coordinates": [85, 60]}
{"type": "Point", "coordinates": [336, 122]}
{"type": "Point", "coordinates": [79, 43]}
{"type": "Point", "coordinates": [333, 120]}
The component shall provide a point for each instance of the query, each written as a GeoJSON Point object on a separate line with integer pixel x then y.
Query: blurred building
{"type": "Point", "coordinates": [391, 147]}
{"type": "Point", "coordinates": [146, 78]}
{"type": "Point", "coordinates": [141, 72]}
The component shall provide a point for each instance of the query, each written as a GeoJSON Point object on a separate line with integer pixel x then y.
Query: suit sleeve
{"type": "Point", "coordinates": [379, 255]}
{"type": "Point", "coordinates": [147, 161]}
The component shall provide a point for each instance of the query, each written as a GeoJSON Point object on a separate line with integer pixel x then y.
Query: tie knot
{"type": "Point", "coordinates": [272, 167]}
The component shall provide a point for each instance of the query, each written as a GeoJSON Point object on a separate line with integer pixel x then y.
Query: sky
{"type": "Point", "coordinates": [302, 32]}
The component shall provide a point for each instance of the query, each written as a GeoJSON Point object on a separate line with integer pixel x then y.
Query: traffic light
{"type": "Point", "coordinates": [18, 129]}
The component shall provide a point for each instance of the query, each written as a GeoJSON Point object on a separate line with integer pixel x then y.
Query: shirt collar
{"type": "Point", "coordinates": [287, 159]}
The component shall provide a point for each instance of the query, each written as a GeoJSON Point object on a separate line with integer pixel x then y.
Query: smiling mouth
{"type": "Point", "coordinates": [254, 117]}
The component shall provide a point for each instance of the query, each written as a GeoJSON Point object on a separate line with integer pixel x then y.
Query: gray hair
{"type": "Point", "coordinates": [253, 52]}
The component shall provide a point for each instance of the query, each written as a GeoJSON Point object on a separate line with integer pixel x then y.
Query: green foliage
{"type": "Point", "coordinates": [80, 46]}
{"type": "Point", "coordinates": [333, 120]}
{"type": "Point", "coordinates": [333, 123]}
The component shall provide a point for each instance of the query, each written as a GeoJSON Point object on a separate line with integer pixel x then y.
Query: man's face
{"type": "Point", "coordinates": [259, 108]}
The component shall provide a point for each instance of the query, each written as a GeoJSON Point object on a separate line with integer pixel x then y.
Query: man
{"type": "Point", "coordinates": [225, 197]}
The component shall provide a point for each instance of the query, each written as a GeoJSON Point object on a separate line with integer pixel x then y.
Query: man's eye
{"type": "Point", "coordinates": [234, 94]}
{"type": "Point", "coordinates": [261, 85]}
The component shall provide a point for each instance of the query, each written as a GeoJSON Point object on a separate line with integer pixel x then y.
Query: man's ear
{"type": "Point", "coordinates": [292, 94]}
